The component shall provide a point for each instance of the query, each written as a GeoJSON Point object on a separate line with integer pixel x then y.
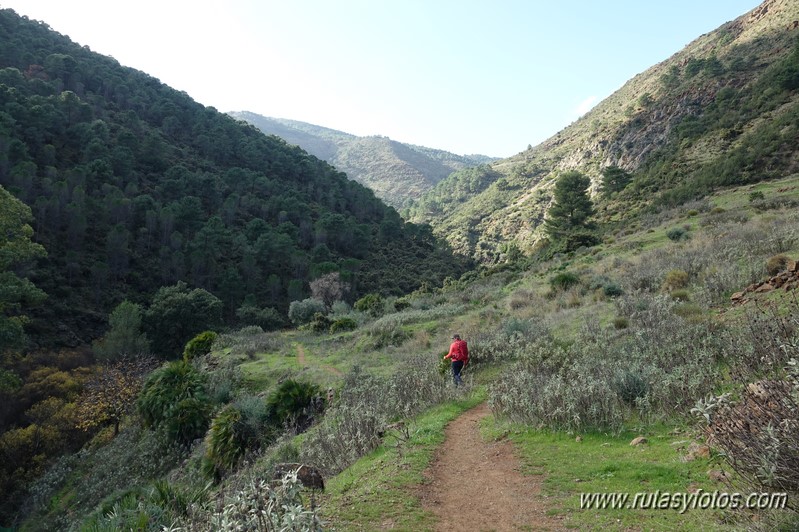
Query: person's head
{"type": "Point", "coordinates": [456, 336]}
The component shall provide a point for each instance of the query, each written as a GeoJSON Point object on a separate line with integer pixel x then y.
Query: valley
{"type": "Point", "coordinates": [191, 307]}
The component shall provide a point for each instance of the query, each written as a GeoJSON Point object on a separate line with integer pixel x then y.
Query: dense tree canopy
{"type": "Point", "coordinates": [16, 251]}
{"type": "Point", "coordinates": [134, 186]}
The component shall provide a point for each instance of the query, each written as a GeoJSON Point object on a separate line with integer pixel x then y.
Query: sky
{"type": "Point", "coordinates": [467, 76]}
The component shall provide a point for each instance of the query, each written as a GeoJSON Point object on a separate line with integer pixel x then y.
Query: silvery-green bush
{"type": "Point", "coordinates": [659, 365]}
{"type": "Point", "coordinates": [353, 424]}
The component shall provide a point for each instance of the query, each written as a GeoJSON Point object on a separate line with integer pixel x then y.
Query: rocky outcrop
{"type": "Point", "coordinates": [787, 279]}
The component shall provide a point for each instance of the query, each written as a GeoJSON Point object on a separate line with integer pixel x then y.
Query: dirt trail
{"type": "Point", "coordinates": [304, 363]}
{"type": "Point", "coordinates": [477, 485]}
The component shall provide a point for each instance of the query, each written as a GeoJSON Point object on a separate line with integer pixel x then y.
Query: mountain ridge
{"type": "Point", "coordinates": [669, 125]}
{"type": "Point", "coordinates": [397, 172]}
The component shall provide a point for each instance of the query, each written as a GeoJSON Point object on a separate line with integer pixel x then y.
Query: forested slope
{"type": "Point", "coordinates": [134, 186]}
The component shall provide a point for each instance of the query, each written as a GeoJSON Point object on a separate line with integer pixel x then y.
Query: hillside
{"type": "Point", "coordinates": [395, 171]}
{"type": "Point", "coordinates": [134, 186]}
{"type": "Point", "coordinates": [722, 111]}
{"type": "Point", "coordinates": [661, 361]}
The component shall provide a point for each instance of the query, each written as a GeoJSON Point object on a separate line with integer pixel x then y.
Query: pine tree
{"type": "Point", "coordinates": [568, 223]}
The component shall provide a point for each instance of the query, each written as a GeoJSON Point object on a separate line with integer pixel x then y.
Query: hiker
{"type": "Point", "coordinates": [459, 354]}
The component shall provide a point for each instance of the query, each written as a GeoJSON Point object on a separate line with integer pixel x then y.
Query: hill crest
{"type": "Point", "coordinates": [397, 172]}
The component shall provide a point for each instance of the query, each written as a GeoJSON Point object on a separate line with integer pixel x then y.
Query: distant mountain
{"type": "Point", "coordinates": [721, 112]}
{"type": "Point", "coordinates": [395, 171]}
{"type": "Point", "coordinates": [134, 186]}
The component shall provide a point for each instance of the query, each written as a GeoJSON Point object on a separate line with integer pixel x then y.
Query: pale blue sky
{"type": "Point", "coordinates": [466, 76]}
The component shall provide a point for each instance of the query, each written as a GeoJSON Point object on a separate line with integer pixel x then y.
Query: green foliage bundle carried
{"type": "Point", "coordinates": [174, 397]}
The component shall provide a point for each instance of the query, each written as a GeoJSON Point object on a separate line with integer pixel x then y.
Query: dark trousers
{"type": "Point", "coordinates": [457, 366]}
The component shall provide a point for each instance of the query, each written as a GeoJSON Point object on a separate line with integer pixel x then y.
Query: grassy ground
{"type": "Point", "coordinates": [602, 463]}
{"type": "Point", "coordinates": [378, 491]}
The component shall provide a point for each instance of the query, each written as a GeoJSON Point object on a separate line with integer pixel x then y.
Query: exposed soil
{"type": "Point", "coordinates": [477, 485]}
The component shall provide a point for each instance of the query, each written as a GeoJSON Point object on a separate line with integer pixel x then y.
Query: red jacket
{"type": "Point", "coordinates": [458, 351]}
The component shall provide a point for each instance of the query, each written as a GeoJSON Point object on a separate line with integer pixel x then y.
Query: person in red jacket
{"type": "Point", "coordinates": [459, 355]}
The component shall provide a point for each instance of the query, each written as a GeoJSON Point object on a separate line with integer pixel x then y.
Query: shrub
{"type": "Point", "coordinates": [759, 434]}
{"type": "Point", "coordinates": [680, 295]}
{"type": "Point", "coordinates": [188, 419]}
{"type": "Point", "coordinates": [302, 312]}
{"type": "Point", "coordinates": [370, 303]}
{"type": "Point", "coordinates": [319, 323]}
{"type": "Point", "coordinates": [563, 281]}
{"type": "Point", "coordinates": [199, 345]}
{"type": "Point", "coordinates": [295, 404]}
{"type": "Point", "coordinates": [354, 424]}
{"type": "Point", "coordinates": [174, 396]}
{"type": "Point", "coordinates": [133, 458]}
{"type": "Point", "coordinates": [776, 264]}
{"type": "Point", "coordinates": [757, 195]}
{"type": "Point", "coordinates": [630, 386]}
{"type": "Point", "coordinates": [401, 304]}
{"type": "Point", "coordinates": [225, 442]}
{"type": "Point", "coordinates": [676, 234]}
{"type": "Point", "coordinates": [576, 397]}
{"type": "Point", "coordinates": [387, 331]}
{"type": "Point", "coordinates": [260, 506]}
{"type": "Point", "coordinates": [674, 280]}
{"type": "Point", "coordinates": [340, 308]}
{"type": "Point", "coordinates": [612, 290]}
{"type": "Point", "coordinates": [343, 324]}
{"type": "Point", "coordinates": [267, 318]}
{"type": "Point", "coordinates": [250, 340]}
{"type": "Point", "coordinates": [576, 390]}
{"type": "Point", "coordinates": [620, 322]}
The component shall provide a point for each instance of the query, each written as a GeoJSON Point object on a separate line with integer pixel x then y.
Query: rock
{"type": "Point", "coordinates": [737, 296]}
{"type": "Point", "coordinates": [578, 439]}
{"type": "Point", "coordinates": [697, 451]}
{"type": "Point", "coordinates": [309, 476]}
{"type": "Point", "coordinates": [792, 266]}
{"type": "Point", "coordinates": [640, 440]}
{"type": "Point", "coordinates": [765, 287]}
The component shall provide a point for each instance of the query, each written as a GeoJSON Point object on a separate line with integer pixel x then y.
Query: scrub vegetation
{"type": "Point", "coordinates": [236, 308]}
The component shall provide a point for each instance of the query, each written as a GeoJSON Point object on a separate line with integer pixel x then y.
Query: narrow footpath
{"type": "Point", "coordinates": [301, 360]}
{"type": "Point", "coordinates": [476, 485]}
